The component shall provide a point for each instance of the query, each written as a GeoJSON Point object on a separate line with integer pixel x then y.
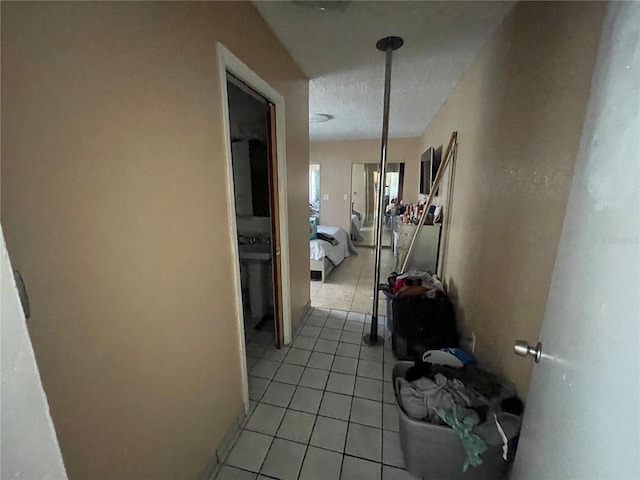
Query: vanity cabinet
{"type": "Point", "coordinates": [427, 248]}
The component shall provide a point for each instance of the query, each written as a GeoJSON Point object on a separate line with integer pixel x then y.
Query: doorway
{"type": "Point", "coordinates": [229, 63]}
{"type": "Point", "coordinates": [255, 195]}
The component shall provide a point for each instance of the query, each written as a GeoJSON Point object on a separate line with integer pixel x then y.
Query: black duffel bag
{"type": "Point", "coordinates": [421, 323]}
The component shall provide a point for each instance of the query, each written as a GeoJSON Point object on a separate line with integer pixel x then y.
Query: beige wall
{"type": "Point", "coordinates": [519, 113]}
{"type": "Point", "coordinates": [335, 159]}
{"type": "Point", "coordinates": [27, 431]}
{"type": "Point", "coordinates": [114, 209]}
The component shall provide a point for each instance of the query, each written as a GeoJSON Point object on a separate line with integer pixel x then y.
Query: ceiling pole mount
{"type": "Point", "coordinates": [387, 45]}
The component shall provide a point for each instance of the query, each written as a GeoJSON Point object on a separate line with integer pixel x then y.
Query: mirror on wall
{"type": "Point", "coordinates": [314, 190]}
{"type": "Point", "coordinates": [364, 201]}
{"type": "Point", "coordinates": [249, 152]}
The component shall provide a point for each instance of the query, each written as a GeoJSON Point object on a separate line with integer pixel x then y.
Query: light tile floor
{"type": "Point", "coordinates": [322, 408]}
{"type": "Point", "coordinates": [349, 286]}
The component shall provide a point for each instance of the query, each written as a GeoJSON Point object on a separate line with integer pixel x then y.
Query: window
{"type": "Point", "coordinates": [314, 190]}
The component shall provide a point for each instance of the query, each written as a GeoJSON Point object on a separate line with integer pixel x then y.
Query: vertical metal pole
{"type": "Point", "coordinates": [387, 45]}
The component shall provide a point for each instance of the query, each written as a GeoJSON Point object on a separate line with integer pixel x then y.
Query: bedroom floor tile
{"type": "Point", "coordinates": [348, 288]}
{"type": "Point", "coordinates": [330, 302]}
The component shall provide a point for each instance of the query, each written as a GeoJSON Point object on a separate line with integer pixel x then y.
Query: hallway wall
{"type": "Point", "coordinates": [335, 159]}
{"type": "Point", "coordinates": [114, 208]}
{"type": "Point", "coordinates": [519, 113]}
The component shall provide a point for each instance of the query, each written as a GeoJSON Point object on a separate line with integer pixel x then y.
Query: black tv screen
{"type": "Point", "coordinates": [429, 164]}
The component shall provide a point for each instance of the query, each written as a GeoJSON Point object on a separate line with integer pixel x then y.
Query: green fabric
{"type": "Point", "coordinates": [462, 421]}
{"type": "Point", "coordinates": [313, 229]}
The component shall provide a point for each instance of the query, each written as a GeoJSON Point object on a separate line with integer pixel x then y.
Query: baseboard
{"type": "Point", "coordinates": [306, 311]}
{"type": "Point", "coordinates": [210, 470]}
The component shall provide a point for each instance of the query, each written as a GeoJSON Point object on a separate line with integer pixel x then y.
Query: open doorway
{"type": "Point", "coordinates": [228, 63]}
{"type": "Point", "coordinates": [252, 134]}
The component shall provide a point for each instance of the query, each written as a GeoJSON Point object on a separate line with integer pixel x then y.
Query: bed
{"type": "Point", "coordinates": [324, 256]}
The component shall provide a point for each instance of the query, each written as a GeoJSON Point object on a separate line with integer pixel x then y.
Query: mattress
{"type": "Point", "coordinates": [320, 249]}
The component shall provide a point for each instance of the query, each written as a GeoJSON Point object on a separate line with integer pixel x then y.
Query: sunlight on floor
{"type": "Point", "coordinates": [350, 285]}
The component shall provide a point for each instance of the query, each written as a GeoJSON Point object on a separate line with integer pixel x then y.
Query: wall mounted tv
{"type": "Point", "coordinates": [429, 164]}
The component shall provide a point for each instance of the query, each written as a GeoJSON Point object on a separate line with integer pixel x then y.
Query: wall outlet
{"type": "Point", "coordinates": [346, 196]}
{"type": "Point", "coordinates": [325, 197]}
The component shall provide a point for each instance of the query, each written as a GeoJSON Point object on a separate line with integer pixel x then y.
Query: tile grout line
{"type": "Point", "coordinates": [282, 420]}
{"type": "Point", "coordinates": [324, 390]}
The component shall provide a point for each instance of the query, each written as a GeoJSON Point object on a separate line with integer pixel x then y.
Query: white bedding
{"type": "Point", "coordinates": [335, 253]}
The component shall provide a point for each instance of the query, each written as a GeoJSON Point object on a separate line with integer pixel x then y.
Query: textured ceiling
{"type": "Point", "coordinates": [336, 50]}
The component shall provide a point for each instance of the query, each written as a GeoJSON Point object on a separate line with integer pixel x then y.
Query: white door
{"type": "Point", "coordinates": [581, 420]}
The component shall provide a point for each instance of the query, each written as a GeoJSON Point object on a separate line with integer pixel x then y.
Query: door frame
{"type": "Point", "coordinates": [227, 61]}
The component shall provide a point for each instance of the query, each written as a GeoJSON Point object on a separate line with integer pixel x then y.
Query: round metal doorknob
{"type": "Point", "coordinates": [523, 349]}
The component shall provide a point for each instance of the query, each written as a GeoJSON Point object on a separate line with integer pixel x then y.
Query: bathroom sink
{"type": "Point", "coordinates": [255, 251]}
{"type": "Point", "coordinates": [254, 262]}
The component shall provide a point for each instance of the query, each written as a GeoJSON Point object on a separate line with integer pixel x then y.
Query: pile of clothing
{"type": "Point", "coordinates": [414, 283]}
{"type": "Point", "coordinates": [481, 408]}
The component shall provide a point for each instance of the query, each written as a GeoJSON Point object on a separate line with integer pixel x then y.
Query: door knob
{"type": "Point", "coordinates": [523, 349]}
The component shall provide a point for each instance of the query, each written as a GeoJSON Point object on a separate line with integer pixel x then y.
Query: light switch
{"type": "Point", "coordinates": [325, 197]}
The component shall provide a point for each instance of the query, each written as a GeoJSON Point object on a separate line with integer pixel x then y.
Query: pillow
{"type": "Point", "coordinates": [313, 229]}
